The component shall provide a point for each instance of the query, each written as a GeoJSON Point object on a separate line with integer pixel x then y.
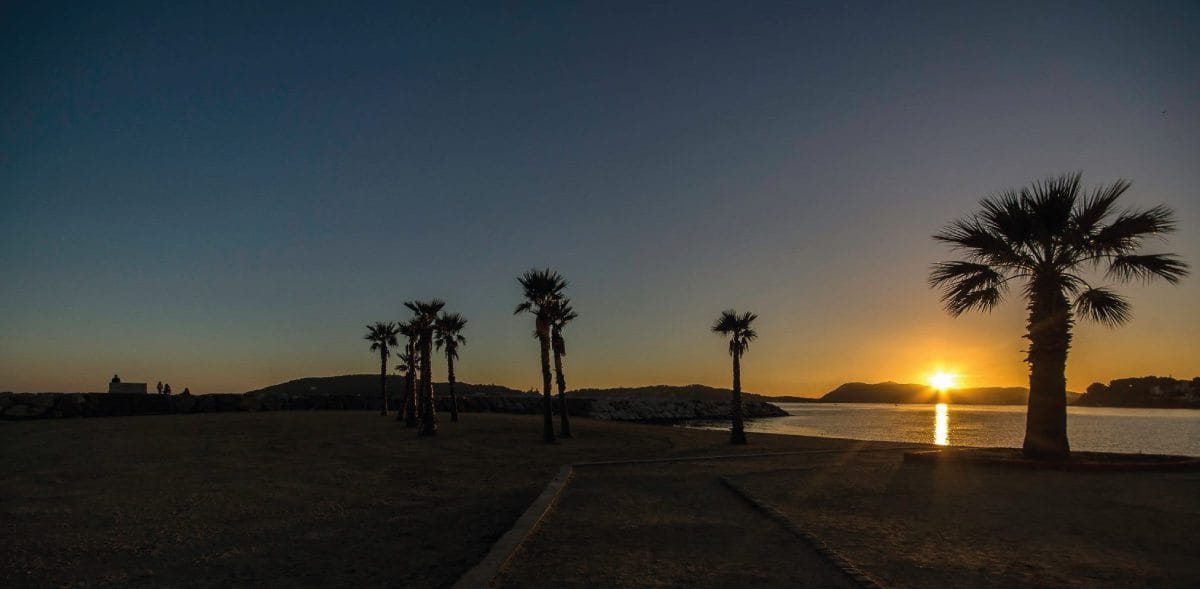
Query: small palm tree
{"type": "Point", "coordinates": [561, 313]}
{"type": "Point", "coordinates": [383, 338]}
{"type": "Point", "coordinates": [448, 337]}
{"type": "Point", "coordinates": [425, 315]}
{"type": "Point", "coordinates": [740, 331]}
{"type": "Point", "coordinates": [1047, 237]}
{"type": "Point", "coordinates": [411, 331]}
{"type": "Point", "coordinates": [542, 289]}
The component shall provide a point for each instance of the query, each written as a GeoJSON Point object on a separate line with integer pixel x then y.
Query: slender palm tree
{"type": "Point", "coordinates": [561, 313]}
{"type": "Point", "coordinates": [402, 370]}
{"type": "Point", "coordinates": [448, 337]}
{"type": "Point", "coordinates": [542, 289]}
{"type": "Point", "coordinates": [425, 315]}
{"type": "Point", "coordinates": [382, 336]}
{"type": "Point", "coordinates": [740, 331]}
{"type": "Point", "coordinates": [1047, 237]}
{"type": "Point", "coordinates": [411, 330]}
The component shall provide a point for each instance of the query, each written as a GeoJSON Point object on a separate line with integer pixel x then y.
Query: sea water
{"type": "Point", "coordinates": [1097, 429]}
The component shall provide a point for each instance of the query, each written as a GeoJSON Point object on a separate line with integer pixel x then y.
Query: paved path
{"type": "Point", "coordinates": [665, 525]}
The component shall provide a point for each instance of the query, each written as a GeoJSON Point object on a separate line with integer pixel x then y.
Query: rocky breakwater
{"type": "Point", "coordinates": [48, 405]}
{"type": "Point", "coordinates": [53, 405]}
{"type": "Point", "coordinates": [656, 410]}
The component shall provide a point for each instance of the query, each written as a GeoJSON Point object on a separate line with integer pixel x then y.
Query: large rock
{"type": "Point", "coordinates": [23, 411]}
{"type": "Point", "coordinates": [70, 405]}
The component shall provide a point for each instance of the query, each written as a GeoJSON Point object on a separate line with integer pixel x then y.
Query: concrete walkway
{"type": "Point", "coordinates": [665, 524]}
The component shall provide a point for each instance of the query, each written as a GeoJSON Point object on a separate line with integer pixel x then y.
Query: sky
{"type": "Point", "coordinates": [220, 196]}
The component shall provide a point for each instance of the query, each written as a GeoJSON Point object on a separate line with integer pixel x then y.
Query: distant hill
{"type": "Point", "coordinates": [1146, 391]}
{"type": "Point", "coordinates": [662, 392]}
{"type": "Point", "coordinates": [368, 384]}
{"type": "Point", "coordinates": [894, 392]}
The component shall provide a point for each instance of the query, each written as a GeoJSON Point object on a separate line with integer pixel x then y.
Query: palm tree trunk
{"type": "Point", "coordinates": [450, 377]}
{"type": "Point", "coordinates": [383, 381]}
{"type": "Point", "coordinates": [564, 420]}
{"type": "Point", "coordinates": [410, 395]}
{"type": "Point", "coordinates": [547, 404]}
{"type": "Point", "coordinates": [737, 434]}
{"type": "Point", "coordinates": [428, 414]}
{"type": "Point", "coordinates": [1049, 340]}
{"type": "Point", "coordinates": [407, 411]}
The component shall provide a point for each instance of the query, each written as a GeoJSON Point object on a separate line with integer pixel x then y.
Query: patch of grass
{"type": "Point", "coordinates": [281, 498]}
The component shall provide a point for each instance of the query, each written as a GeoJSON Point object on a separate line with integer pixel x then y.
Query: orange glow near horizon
{"type": "Point", "coordinates": [943, 381]}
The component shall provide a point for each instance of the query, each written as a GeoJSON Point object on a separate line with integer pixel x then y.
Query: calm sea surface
{"type": "Point", "coordinates": [1100, 429]}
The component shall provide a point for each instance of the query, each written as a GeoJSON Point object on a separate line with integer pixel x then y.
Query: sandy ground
{"type": "Point", "coordinates": [352, 499]}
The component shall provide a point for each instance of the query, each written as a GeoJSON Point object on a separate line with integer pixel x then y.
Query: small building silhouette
{"type": "Point", "coordinates": [116, 386]}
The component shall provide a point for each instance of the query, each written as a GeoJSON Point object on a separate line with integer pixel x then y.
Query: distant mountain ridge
{"type": "Point", "coordinates": [894, 392]}
{"type": "Point", "coordinates": [368, 384]}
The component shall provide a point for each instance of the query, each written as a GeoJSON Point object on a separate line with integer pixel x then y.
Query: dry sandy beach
{"type": "Point", "coordinates": [353, 499]}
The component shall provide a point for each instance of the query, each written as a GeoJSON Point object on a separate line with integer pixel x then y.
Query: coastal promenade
{"type": "Point", "coordinates": [346, 498]}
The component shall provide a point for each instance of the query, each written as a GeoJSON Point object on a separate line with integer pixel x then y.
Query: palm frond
{"type": "Point", "coordinates": [1147, 267]}
{"type": "Point", "coordinates": [1103, 306]}
{"type": "Point", "coordinates": [1050, 204]}
{"type": "Point", "coordinates": [749, 335]}
{"type": "Point", "coordinates": [382, 335]}
{"type": "Point", "coordinates": [986, 240]}
{"type": "Point", "coordinates": [983, 299]}
{"type": "Point", "coordinates": [726, 323]}
{"type": "Point", "coordinates": [1128, 230]}
{"type": "Point", "coordinates": [968, 285]}
{"type": "Point", "coordinates": [1096, 207]}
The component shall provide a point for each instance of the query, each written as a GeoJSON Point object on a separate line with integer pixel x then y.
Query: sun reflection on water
{"type": "Point", "coordinates": [941, 425]}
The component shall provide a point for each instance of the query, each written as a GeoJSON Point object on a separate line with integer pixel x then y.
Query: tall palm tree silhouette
{"type": "Point", "coordinates": [1047, 237]}
{"type": "Point", "coordinates": [542, 289]}
{"type": "Point", "coordinates": [560, 314]}
{"type": "Point", "coordinates": [448, 337]}
{"type": "Point", "coordinates": [740, 331]}
{"type": "Point", "coordinates": [411, 330]}
{"type": "Point", "coordinates": [382, 336]}
{"type": "Point", "coordinates": [425, 316]}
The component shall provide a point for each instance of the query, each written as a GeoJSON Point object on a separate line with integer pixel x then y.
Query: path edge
{"type": "Point", "coordinates": [823, 549]}
{"type": "Point", "coordinates": [482, 574]}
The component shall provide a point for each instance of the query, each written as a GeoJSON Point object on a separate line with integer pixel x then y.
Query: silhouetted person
{"type": "Point", "coordinates": [116, 379]}
{"type": "Point", "coordinates": [166, 389]}
{"type": "Point", "coordinates": [159, 387]}
{"type": "Point", "coordinates": [186, 391]}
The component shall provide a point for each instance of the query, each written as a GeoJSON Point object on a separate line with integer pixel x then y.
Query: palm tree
{"type": "Point", "coordinates": [383, 338]}
{"type": "Point", "coordinates": [425, 315]}
{"type": "Point", "coordinates": [402, 370]}
{"type": "Point", "coordinates": [739, 330]}
{"type": "Point", "coordinates": [448, 336]}
{"type": "Point", "coordinates": [561, 313]}
{"type": "Point", "coordinates": [542, 289]}
{"type": "Point", "coordinates": [1046, 237]}
{"type": "Point", "coordinates": [411, 330]}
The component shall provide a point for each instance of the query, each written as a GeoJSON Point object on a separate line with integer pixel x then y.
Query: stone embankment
{"type": "Point", "coordinates": [51, 405]}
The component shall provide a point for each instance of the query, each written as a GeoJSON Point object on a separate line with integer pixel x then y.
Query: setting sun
{"type": "Point", "coordinates": [943, 381]}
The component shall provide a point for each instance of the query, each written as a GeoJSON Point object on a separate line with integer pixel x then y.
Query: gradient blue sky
{"type": "Point", "coordinates": [220, 196]}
